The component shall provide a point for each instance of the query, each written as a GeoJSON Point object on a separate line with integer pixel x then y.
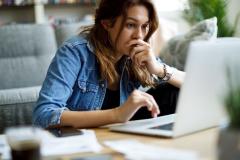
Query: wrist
{"type": "Point", "coordinates": [116, 115]}
{"type": "Point", "coordinates": [161, 73]}
{"type": "Point", "coordinates": [167, 73]}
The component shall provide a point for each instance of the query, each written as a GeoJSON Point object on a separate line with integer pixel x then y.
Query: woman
{"type": "Point", "coordinates": [93, 78]}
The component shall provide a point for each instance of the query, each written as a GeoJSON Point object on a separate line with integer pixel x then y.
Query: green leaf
{"type": "Point", "coordinates": [204, 9]}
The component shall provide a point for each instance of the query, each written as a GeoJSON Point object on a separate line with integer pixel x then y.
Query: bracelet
{"type": "Point", "coordinates": [164, 71]}
{"type": "Point", "coordinates": [168, 72]}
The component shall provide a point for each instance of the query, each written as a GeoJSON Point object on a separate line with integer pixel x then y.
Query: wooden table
{"type": "Point", "coordinates": [204, 142]}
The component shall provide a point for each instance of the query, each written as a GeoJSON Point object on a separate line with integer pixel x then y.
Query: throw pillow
{"type": "Point", "coordinates": [175, 51]}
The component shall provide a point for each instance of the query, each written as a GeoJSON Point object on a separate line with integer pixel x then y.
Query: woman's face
{"type": "Point", "coordinates": [135, 27]}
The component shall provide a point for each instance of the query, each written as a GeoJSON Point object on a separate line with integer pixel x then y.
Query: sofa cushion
{"type": "Point", "coordinates": [16, 106]}
{"type": "Point", "coordinates": [25, 54]}
{"type": "Point", "coordinates": [175, 51]}
{"type": "Point", "coordinates": [16, 115]}
{"type": "Point", "coordinates": [65, 31]}
{"type": "Point", "coordinates": [19, 95]}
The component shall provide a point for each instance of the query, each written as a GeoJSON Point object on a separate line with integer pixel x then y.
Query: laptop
{"type": "Point", "coordinates": [201, 100]}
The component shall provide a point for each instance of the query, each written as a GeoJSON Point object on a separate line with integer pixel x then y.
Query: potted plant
{"type": "Point", "coordinates": [229, 135]}
{"type": "Point", "coordinates": [204, 9]}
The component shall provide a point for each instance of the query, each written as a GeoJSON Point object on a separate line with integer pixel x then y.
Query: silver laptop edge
{"type": "Point", "coordinates": [143, 126]}
{"type": "Point", "coordinates": [200, 104]}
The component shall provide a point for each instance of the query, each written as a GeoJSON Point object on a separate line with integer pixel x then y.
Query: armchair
{"type": "Point", "coordinates": [25, 54]}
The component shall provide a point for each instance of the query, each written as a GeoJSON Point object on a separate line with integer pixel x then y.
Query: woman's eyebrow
{"type": "Point", "coordinates": [134, 19]}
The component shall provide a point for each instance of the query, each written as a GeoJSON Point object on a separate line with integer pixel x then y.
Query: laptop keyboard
{"type": "Point", "coordinates": [168, 126]}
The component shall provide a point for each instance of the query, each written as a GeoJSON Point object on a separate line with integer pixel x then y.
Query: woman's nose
{"type": "Point", "coordinates": [138, 34]}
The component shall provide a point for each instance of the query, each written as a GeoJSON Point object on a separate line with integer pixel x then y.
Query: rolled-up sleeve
{"type": "Point", "coordinates": [57, 87]}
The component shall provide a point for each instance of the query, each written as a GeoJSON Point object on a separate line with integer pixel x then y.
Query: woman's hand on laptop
{"type": "Point", "coordinates": [135, 101]}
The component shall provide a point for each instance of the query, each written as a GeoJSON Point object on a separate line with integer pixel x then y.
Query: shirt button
{"type": "Point", "coordinates": [102, 85]}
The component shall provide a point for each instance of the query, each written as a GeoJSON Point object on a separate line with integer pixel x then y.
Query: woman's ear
{"type": "Point", "coordinates": [106, 24]}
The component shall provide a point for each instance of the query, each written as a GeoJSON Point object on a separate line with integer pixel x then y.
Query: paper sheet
{"type": "Point", "coordinates": [4, 148]}
{"type": "Point", "coordinates": [87, 142]}
{"type": "Point", "coordinates": [53, 146]}
{"type": "Point", "coordinates": [135, 150]}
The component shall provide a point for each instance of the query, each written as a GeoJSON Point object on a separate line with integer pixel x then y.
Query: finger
{"type": "Point", "coordinates": [139, 48]}
{"type": "Point", "coordinates": [134, 42]}
{"type": "Point", "coordinates": [147, 103]}
{"type": "Point", "coordinates": [155, 105]}
{"type": "Point", "coordinates": [155, 112]}
{"type": "Point", "coordinates": [150, 106]}
{"type": "Point", "coordinates": [142, 54]}
{"type": "Point", "coordinates": [132, 53]}
{"type": "Point", "coordinates": [137, 42]}
{"type": "Point", "coordinates": [141, 58]}
{"type": "Point", "coordinates": [143, 101]}
{"type": "Point", "coordinates": [146, 100]}
{"type": "Point", "coordinates": [154, 115]}
{"type": "Point", "coordinates": [135, 50]}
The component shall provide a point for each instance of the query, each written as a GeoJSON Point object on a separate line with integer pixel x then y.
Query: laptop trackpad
{"type": "Point", "coordinates": [168, 126]}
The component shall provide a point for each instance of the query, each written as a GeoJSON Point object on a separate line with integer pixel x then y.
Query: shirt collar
{"type": "Point", "coordinates": [90, 47]}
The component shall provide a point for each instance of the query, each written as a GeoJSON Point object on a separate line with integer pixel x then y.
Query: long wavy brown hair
{"type": "Point", "coordinates": [105, 49]}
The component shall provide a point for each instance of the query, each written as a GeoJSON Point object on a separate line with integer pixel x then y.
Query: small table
{"type": "Point", "coordinates": [204, 143]}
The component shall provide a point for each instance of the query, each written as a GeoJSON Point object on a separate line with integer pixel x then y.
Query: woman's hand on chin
{"type": "Point", "coordinates": [142, 54]}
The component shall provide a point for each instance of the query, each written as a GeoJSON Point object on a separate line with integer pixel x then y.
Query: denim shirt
{"type": "Point", "coordinates": [73, 83]}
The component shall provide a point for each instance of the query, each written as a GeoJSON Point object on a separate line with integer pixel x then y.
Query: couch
{"type": "Point", "coordinates": [25, 53]}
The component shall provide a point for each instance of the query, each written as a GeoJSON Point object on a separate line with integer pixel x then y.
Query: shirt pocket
{"type": "Point", "coordinates": [88, 93]}
{"type": "Point", "coordinates": [86, 96]}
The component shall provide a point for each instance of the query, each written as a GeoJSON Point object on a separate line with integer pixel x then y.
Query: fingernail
{"type": "Point", "coordinates": [155, 115]}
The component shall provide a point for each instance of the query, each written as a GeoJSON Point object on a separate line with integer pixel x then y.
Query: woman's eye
{"type": "Point", "coordinates": [130, 25]}
{"type": "Point", "coordinates": [145, 27]}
